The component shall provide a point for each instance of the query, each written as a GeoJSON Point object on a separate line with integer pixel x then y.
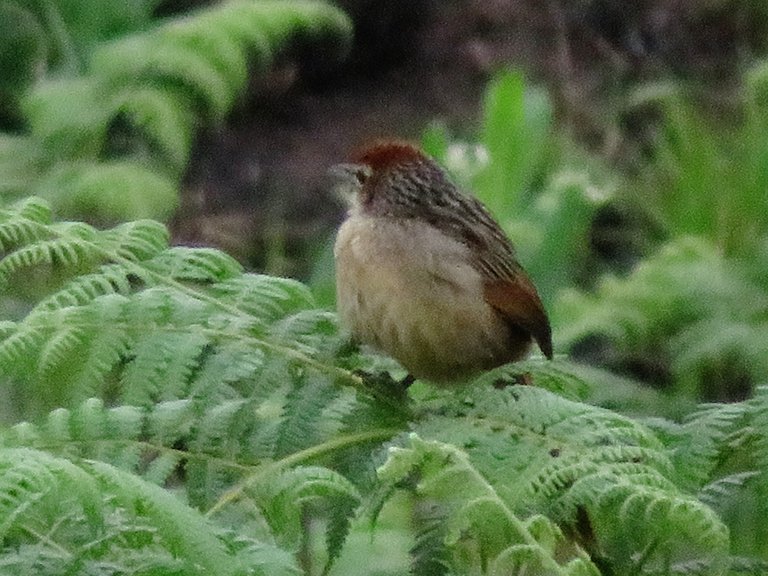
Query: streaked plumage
{"type": "Point", "coordinates": [425, 274]}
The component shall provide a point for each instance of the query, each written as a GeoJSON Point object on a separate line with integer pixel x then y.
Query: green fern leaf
{"type": "Point", "coordinates": [164, 118]}
{"type": "Point", "coordinates": [708, 312]}
{"type": "Point", "coordinates": [282, 498]}
{"type": "Point", "coordinates": [304, 411]}
{"type": "Point", "coordinates": [109, 191]}
{"type": "Point", "coordinates": [156, 58]}
{"type": "Point", "coordinates": [59, 253]}
{"type": "Point", "coordinates": [166, 359]}
{"type": "Point", "coordinates": [95, 336]}
{"type": "Point", "coordinates": [171, 421]}
{"type": "Point", "coordinates": [68, 116]}
{"type": "Point", "coordinates": [699, 442]}
{"type": "Point", "coordinates": [224, 371]}
{"type": "Point", "coordinates": [184, 531]}
{"type": "Point", "coordinates": [222, 51]}
{"type": "Point", "coordinates": [480, 528]}
{"type": "Point", "coordinates": [110, 279]}
{"type": "Point", "coordinates": [137, 240]}
{"type": "Point", "coordinates": [35, 485]}
{"type": "Point", "coordinates": [18, 345]}
{"type": "Point", "coordinates": [196, 264]}
{"type": "Point", "coordinates": [264, 297]}
{"type": "Point", "coordinates": [563, 459]}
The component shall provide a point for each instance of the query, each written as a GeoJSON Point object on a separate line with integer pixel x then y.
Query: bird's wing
{"type": "Point", "coordinates": [506, 286]}
{"type": "Point", "coordinates": [517, 300]}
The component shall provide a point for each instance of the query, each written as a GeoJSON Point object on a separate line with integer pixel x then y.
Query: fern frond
{"type": "Point", "coordinates": [18, 343]}
{"type": "Point", "coordinates": [699, 442]}
{"type": "Point", "coordinates": [137, 240]}
{"type": "Point", "coordinates": [127, 437]}
{"type": "Point", "coordinates": [95, 336]}
{"type": "Point", "coordinates": [186, 335]}
{"type": "Point", "coordinates": [716, 494]}
{"type": "Point", "coordinates": [166, 359]}
{"type": "Point", "coordinates": [565, 459]}
{"type": "Point", "coordinates": [67, 253]}
{"type": "Point", "coordinates": [184, 531]}
{"type": "Point", "coordinates": [283, 498]}
{"type": "Point", "coordinates": [759, 413]}
{"type": "Point", "coordinates": [142, 240]}
{"type": "Point", "coordinates": [196, 265]}
{"type": "Point", "coordinates": [479, 526]}
{"type": "Point", "coordinates": [155, 57]}
{"type": "Point", "coordinates": [223, 369]}
{"type": "Point", "coordinates": [76, 245]}
{"type": "Point", "coordinates": [265, 297]}
{"type": "Point", "coordinates": [700, 308]}
{"type": "Point", "coordinates": [110, 279]}
{"type": "Point", "coordinates": [35, 483]}
{"type": "Point", "coordinates": [144, 94]}
{"type": "Point", "coordinates": [291, 489]}
{"type": "Point", "coordinates": [222, 51]}
{"type": "Point", "coordinates": [68, 116]}
{"type": "Point", "coordinates": [109, 191]}
{"type": "Point", "coordinates": [304, 410]}
{"type": "Point", "coordinates": [555, 376]}
{"type": "Point", "coordinates": [207, 54]}
{"type": "Point", "coordinates": [152, 317]}
{"type": "Point", "coordinates": [23, 224]}
{"type": "Point", "coordinates": [66, 517]}
{"type": "Point", "coordinates": [164, 119]}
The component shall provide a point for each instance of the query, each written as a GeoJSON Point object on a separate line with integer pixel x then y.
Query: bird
{"type": "Point", "coordinates": [425, 274]}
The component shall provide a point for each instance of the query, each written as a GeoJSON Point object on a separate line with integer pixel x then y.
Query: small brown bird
{"type": "Point", "coordinates": [425, 274]}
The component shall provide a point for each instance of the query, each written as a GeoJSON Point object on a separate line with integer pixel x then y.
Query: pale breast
{"type": "Point", "coordinates": [409, 290]}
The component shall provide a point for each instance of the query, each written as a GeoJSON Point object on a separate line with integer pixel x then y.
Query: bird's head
{"type": "Point", "coordinates": [389, 178]}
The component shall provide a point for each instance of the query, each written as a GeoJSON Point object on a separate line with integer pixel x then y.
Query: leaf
{"type": "Point", "coordinates": [516, 131]}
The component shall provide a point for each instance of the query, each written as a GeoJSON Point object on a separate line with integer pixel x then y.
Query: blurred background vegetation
{"type": "Point", "coordinates": [623, 146]}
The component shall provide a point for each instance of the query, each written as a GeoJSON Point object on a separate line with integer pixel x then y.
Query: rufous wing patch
{"type": "Point", "coordinates": [519, 303]}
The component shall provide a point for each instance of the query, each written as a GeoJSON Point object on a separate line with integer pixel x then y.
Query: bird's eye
{"type": "Point", "coordinates": [362, 173]}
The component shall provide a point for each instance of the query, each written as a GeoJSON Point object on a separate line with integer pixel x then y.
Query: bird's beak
{"type": "Point", "coordinates": [345, 180]}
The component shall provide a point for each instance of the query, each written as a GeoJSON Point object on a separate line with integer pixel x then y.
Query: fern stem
{"type": "Point", "coordinates": [231, 495]}
{"type": "Point", "coordinates": [549, 563]}
{"type": "Point", "coordinates": [182, 454]}
{"type": "Point", "coordinates": [645, 555]}
{"type": "Point", "coordinates": [47, 540]}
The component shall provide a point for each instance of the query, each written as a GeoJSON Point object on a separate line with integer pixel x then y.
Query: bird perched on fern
{"type": "Point", "coordinates": [424, 272]}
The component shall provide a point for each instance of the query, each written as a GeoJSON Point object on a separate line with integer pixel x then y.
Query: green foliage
{"type": "Point", "coordinates": [476, 523]}
{"type": "Point", "coordinates": [131, 110]}
{"type": "Point", "coordinates": [22, 53]}
{"type": "Point", "coordinates": [92, 518]}
{"type": "Point", "coordinates": [516, 133]}
{"type": "Point", "coordinates": [699, 313]}
{"type": "Point", "coordinates": [178, 416]}
{"type": "Point", "coordinates": [233, 368]}
{"type": "Point", "coordinates": [43, 37]}
{"type": "Point", "coordinates": [20, 159]}
{"type": "Point", "coordinates": [547, 213]}
{"type": "Point", "coordinates": [108, 190]}
{"type": "Point", "coordinates": [611, 487]}
{"type": "Point", "coordinates": [694, 311]}
{"type": "Point", "coordinates": [708, 178]}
